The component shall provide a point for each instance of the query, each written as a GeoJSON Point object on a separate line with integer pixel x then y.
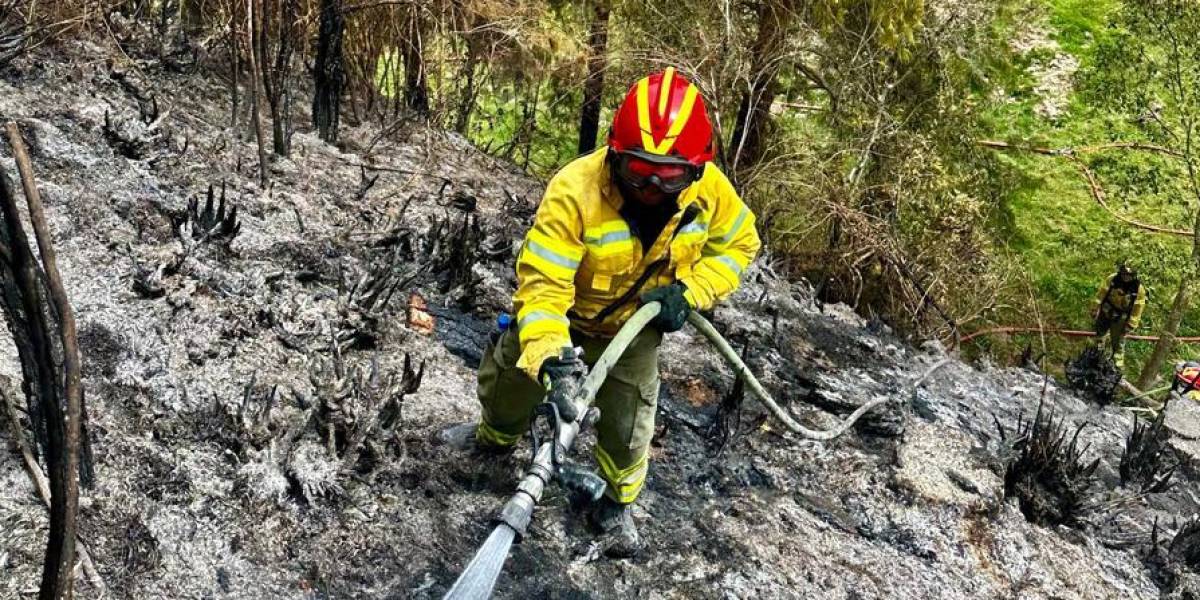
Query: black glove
{"type": "Point", "coordinates": [563, 377]}
{"type": "Point", "coordinates": [675, 307]}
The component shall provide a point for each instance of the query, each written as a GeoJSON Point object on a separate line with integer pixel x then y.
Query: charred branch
{"type": "Point", "coordinates": [40, 318]}
{"type": "Point", "coordinates": [365, 183]}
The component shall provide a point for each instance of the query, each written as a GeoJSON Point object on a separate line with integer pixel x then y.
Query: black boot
{"type": "Point", "coordinates": [615, 521]}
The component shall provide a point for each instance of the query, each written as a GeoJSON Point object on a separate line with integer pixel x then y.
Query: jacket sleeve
{"type": "Point", "coordinates": [1101, 292]}
{"type": "Point", "coordinates": [732, 243]}
{"type": "Point", "coordinates": [1139, 305]}
{"type": "Point", "coordinates": [546, 269]}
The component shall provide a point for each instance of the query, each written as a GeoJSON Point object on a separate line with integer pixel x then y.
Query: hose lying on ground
{"type": "Point", "coordinates": [743, 372]}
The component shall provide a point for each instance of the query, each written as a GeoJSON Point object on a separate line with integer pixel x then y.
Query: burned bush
{"type": "Point", "coordinates": [1095, 374]}
{"type": "Point", "coordinates": [216, 225]}
{"type": "Point", "coordinates": [359, 409]}
{"type": "Point", "coordinates": [303, 451]}
{"type": "Point", "coordinates": [1146, 460]}
{"type": "Point", "coordinates": [1184, 549]}
{"type": "Point", "coordinates": [364, 296]}
{"type": "Point", "coordinates": [454, 249]}
{"type": "Point", "coordinates": [1045, 472]}
{"type": "Point", "coordinates": [1174, 563]}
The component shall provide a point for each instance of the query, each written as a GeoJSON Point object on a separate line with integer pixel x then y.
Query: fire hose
{"type": "Point", "coordinates": [549, 462]}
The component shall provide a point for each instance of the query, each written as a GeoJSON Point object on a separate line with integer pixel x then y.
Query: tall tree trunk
{"type": "Point", "coordinates": [260, 133]}
{"type": "Point", "coordinates": [754, 114]}
{"type": "Point", "coordinates": [191, 16]}
{"type": "Point", "coordinates": [234, 74]}
{"type": "Point", "coordinates": [1166, 340]}
{"type": "Point", "coordinates": [329, 75]}
{"type": "Point", "coordinates": [593, 87]}
{"type": "Point", "coordinates": [274, 72]}
{"type": "Point", "coordinates": [467, 75]}
{"type": "Point", "coordinates": [416, 92]}
{"type": "Point", "coordinates": [36, 308]}
{"type": "Point", "coordinates": [466, 100]}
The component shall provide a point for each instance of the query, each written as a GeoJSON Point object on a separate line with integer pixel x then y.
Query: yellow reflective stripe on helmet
{"type": "Point", "coordinates": [490, 436]}
{"type": "Point", "coordinates": [624, 485]}
{"type": "Point", "coordinates": [664, 91]}
{"type": "Point", "coordinates": [643, 108]}
{"type": "Point", "coordinates": [681, 119]}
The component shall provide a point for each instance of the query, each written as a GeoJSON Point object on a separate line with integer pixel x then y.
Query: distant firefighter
{"type": "Point", "coordinates": [1117, 309]}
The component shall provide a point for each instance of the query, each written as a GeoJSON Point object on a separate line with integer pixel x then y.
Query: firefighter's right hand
{"type": "Point", "coordinates": [563, 377]}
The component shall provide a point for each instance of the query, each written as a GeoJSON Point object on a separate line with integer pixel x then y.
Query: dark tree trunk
{"type": "Point", "coordinates": [276, 67]}
{"type": "Point", "coordinates": [1179, 307]}
{"type": "Point", "coordinates": [593, 87]}
{"type": "Point", "coordinates": [754, 114]}
{"type": "Point", "coordinates": [1166, 337]}
{"type": "Point", "coordinates": [466, 101]}
{"type": "Point", "coordinates": [329, 75]}
{"type": "Point", "coordinates": [234, 71]}
{"type": "Point", "coordinates": [253, 25]}
{"type": "Point", "coordinates": [43, 326]}
{"type": "Point", "coordinates": [416, 92]}
{"type": "Point", "coordinates": [191, 16]}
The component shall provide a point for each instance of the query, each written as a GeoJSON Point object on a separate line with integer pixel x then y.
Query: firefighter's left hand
{"type": "Point", "coordinates": [675, 307]}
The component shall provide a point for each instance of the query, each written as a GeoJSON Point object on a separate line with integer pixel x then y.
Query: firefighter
{"type": "Point", "coordinates": [646, 218]}
{"type": "Point", "coordinates": [1118, 308]}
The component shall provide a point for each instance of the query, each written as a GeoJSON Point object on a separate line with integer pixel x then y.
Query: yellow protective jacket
{"type": "Point", "coordinates": [1116, 302]}
{"type": "Point", "coordinates": [580, 255]}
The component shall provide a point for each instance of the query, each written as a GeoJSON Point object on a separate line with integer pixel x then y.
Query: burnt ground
{"type": "Point", "coordinates": [210, 485]}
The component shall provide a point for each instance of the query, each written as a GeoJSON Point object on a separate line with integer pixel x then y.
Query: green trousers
{"type": "Point", "coordinates": [1115, 328]}
{"type": "Point", "coordinates": [627, 400]}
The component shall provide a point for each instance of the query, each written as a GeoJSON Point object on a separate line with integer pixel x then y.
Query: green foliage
{"type": "Point", "coordinates": [389, 78]}
{"type": "Point", "coordinates": [893, 23]}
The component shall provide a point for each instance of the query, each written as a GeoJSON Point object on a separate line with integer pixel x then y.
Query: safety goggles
{"type": "Point", "coordinates": [670, 174]}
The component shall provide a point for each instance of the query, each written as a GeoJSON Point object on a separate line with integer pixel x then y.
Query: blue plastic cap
{"type": "Point", "coordinates": [503, 321]}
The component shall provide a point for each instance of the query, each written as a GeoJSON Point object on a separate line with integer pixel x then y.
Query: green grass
{"type": "Point", "coordinates": [1077, 22]}
{"type": "Point", "coordinates": [1063, 239]}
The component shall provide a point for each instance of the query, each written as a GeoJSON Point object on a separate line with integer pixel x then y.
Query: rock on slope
{"type": "Point", "coordinates": [221, 426]}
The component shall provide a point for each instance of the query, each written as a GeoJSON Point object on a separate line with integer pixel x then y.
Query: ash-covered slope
{"type": "Point", "coordinates": [240, 456]}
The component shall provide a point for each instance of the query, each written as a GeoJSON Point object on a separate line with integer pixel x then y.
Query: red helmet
{"type": "Point", "coordinates": [663, 114]}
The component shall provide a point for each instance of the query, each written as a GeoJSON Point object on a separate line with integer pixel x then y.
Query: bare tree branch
{"type": "Point", "coordinates": [1097, 191]}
